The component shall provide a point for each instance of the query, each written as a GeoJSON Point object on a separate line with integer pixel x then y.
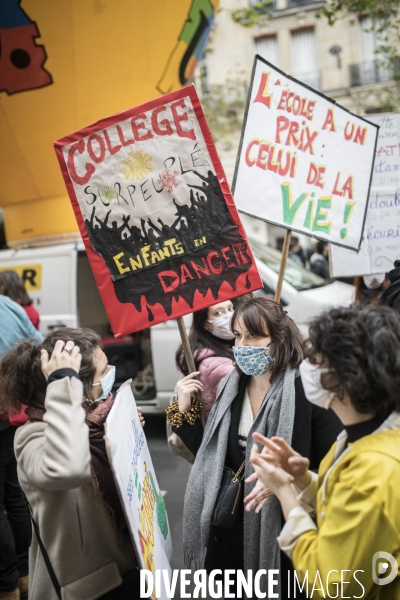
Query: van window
{"type": "Point", "coordinates": [295, 274]}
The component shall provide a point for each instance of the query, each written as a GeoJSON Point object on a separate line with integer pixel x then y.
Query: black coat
{"type": "Point", "coordinates": [320, 266]}
{"type": "Point", "coordinates": [314, 431]}
{"type": "Point", "coordinates": [391, 296]}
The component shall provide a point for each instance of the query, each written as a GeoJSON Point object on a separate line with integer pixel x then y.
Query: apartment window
{"type": "Point", "coordinates": [267, 47]}
{"type": "Point", "coordinates": [372, 69]}
{"type": "Point", "coordinates": [295, 3]}
{"type": "Point", "coordinates": [369, 39]}
{"type": "Point", "coordinates": [304, 57]}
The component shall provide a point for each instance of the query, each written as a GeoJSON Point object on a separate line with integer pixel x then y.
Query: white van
{"type": "Point", "coordinates": [61, 284]}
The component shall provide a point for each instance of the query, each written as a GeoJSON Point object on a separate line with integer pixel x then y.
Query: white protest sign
{"type": "Point", "coordinates": [380, 246]}
{"type": "Point", "coordinates": [304, 162]}
{"type": "Point", "coordinates": [136, 480]}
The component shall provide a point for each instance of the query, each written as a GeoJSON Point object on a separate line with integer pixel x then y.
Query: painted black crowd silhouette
{"type": "Point", "coordinates": [203, 216]}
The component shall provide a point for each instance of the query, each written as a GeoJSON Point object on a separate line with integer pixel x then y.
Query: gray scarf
{"type": "Point", "coordinates": [276, 417]}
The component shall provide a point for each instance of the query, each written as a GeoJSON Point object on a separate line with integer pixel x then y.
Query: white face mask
{"type": "Point", "coordinates": [311, 379]}
{"type": "Point", "coordinates": [222, 326]}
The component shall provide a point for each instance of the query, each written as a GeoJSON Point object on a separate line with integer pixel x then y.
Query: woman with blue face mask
{"type": "Point", "coordinates": [352, 544]}
{"type": "Point", "coordinates": [66, 383]}
{"type": "Point", "coordinates": [263, 394]}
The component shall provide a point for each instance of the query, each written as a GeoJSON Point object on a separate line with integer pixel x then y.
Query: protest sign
{"type": "Point", "coordinates": [304, 162]}
{"type": "Point", "coordinates": [155, 212]}
{"type": "Point", "coordinates": [380, 246]}
{"type": "Point", "coordinates": [134, 474]}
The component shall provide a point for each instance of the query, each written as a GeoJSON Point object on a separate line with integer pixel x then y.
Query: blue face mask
{"type": "Point", "coordinates": [253, 360]}
{"type": "Point", "coordinates": [106, 383]}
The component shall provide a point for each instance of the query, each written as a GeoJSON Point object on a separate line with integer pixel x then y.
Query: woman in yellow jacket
{"type": "Point", "coordinates": [353, 367]}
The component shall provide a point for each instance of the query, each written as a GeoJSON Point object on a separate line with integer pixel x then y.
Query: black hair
{"type": "Point", "coordinates": [320, 247]}
{"type": "Point", "coordinates": [361, 348]}
{"type": "Point", "coordinates": [200, 339]}
{"type": "Point", "coordinates": [261, 315]}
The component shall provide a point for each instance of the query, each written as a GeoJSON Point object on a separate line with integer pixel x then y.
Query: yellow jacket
{"type": "Point", "coordinates": [356, 497]}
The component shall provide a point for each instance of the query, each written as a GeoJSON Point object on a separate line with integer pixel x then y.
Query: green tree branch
{"type": "Point", "coordinates": [224, 105]}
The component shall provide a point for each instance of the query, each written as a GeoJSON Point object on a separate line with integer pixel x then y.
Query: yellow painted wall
{"type": "Point", "coordinates": [104, 56]}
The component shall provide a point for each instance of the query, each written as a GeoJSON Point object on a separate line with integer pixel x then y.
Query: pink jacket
{"type": "Point", "coordinates": [14, 417]}
{"type": "Point", "coordinates": [212, 369]}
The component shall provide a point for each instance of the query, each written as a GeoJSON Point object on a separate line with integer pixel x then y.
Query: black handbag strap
{"type": "Point", "coordinates": [46, 558]}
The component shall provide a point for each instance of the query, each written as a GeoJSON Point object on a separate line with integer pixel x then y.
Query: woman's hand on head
{"type": "Point", "coordinates": [64, 356]}
{"type": "Point", "coordinates": [186, 387]}
{"type": "Point", "coordinates": [277, 452]}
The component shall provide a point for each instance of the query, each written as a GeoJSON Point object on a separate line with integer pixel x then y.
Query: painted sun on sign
{"type": "Point", "coordinates": [137, 166]}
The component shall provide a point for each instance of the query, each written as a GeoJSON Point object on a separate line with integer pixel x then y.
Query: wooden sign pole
{"type": "Point", "coordinates": [285, 252]}
{"type": "Point", "coordinates": [189, 356]}
{"type": "Point", "coordinates": [186, 345]}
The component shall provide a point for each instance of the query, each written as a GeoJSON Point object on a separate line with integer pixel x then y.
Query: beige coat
{"type": "Point", "coordinates": [88, 555]}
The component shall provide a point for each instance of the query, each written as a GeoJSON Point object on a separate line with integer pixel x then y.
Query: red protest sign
{"type": "Point", "coordinates": [156, 213]}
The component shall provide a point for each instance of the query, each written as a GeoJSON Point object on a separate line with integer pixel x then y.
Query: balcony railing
{"type": "Point", "coordinates": [368, 73]}
{"type": "Point", "coordinates": [263, 7]}
{"type": "Point", "coordinates": [295, 3]}
{"type": "Point", "coordinates": [311, 78]}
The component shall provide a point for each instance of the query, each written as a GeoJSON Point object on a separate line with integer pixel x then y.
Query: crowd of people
{"type": "Point", "coordinates": [294, 444]}
{"type": "Point", "coordinates": [325, 416]}
{"type": "Point", "coordinates": [315, 258]}
{"type": "Point", "coordinates": [15, 527]}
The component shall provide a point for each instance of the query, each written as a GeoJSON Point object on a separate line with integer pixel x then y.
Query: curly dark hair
{"type": "Point", "coordinates": [21, 377]}
{"type": "Point", "coordinates": [361, 348]}
{"type": "Point", "coordinates": [261, 315]}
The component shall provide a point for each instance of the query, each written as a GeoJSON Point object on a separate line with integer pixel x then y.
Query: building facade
{"type": "Point", "coordinates": [340, 61]}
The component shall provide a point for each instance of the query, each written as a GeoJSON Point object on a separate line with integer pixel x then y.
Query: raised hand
{"type": "Point", "coordinates": [257, 497]}
{"type": "Point", "coordinates": [269, 475]}
{"type": "Point", "coordinates": [277, 452]}
{"type": "Point", "coordinates": [275, 479]}
{"type": "Point", "coordinates": [188, 386]}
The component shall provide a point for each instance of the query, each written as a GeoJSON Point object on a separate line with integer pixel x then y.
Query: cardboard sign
{"type": "Point", "coordinates": [155, 213]}
{"type": "Point", "coordinates": [134, 474]}
{"type": "Point", "coordinates": [304, 162]}
{"type": "Point", "coordinates": [380, 246]}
